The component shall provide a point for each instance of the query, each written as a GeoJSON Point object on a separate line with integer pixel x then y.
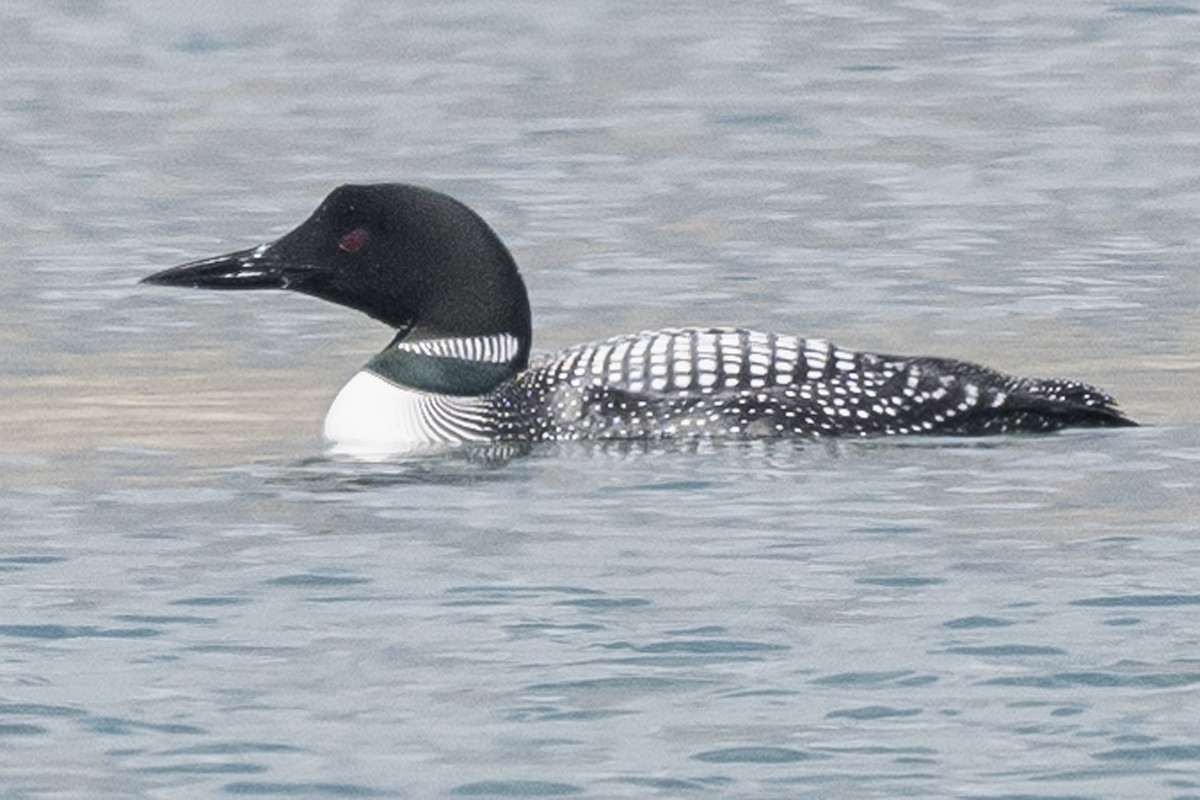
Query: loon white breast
{"type": "Point", "coordinates": [458, 369]}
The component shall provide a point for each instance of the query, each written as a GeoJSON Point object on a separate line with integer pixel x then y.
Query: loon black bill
{"type": "Point", "coordinates": [245, 269]}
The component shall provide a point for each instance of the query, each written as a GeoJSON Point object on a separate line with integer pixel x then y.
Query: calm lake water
{"type": "Point", "coordinates": [196, 602]}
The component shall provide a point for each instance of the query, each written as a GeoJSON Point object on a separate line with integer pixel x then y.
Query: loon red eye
{"type": "Point", "coordinates": [354, 241]}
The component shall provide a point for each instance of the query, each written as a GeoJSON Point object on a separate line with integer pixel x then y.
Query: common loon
{"type": "Point", "coordinates": [458, 369]}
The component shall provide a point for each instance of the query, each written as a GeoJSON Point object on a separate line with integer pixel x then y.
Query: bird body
{"type": "Point", "coordinates": [458, 369]}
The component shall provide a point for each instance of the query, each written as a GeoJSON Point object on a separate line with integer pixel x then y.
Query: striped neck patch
{"type": "Point", "coordinates": [499, 348]}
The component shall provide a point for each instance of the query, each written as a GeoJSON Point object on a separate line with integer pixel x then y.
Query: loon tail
{"type": "Point", "coordinates": [1059, 404]}
{"type": "Point", "coordinates": [1008, 404]}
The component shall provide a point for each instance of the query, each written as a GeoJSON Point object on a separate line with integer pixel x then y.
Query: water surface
{"type": "Point", "coordinates": [197, 602]}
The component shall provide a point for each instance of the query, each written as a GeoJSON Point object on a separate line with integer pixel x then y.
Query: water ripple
{"type": "Point", "coordinates": [1007, 650]}
{"type": "Point", "coordinates": [1063, 680]}
{"type": "Point", "coordinates": [300, 789]}
{"type": "Point", "coordinates": [1140, 601]}
{"type": "Point", "coordinates": [76, 632]}
{"type": "Point", "coordinates": [873, 712]}
{"type": "Point", "coordinates": [1161, 753]}
{"type": "Point", "coordinates": [977, 622]}
{"type": "Point", "coordinates": [515, 789]}
{"type": "Point", "coordinates": [756, 755]}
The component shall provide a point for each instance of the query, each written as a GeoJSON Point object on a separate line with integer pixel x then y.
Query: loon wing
{"type": "Point", "coordinates": [729, 381]}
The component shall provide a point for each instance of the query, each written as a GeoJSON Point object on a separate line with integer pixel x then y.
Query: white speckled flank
{"type": "Point", "coordinates": [674, 383]}
{"type": "Point", "coordinates": [699, 383]}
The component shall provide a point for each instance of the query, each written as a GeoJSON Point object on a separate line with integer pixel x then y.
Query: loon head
{"type": "Point", "coordinates": [410, 257]}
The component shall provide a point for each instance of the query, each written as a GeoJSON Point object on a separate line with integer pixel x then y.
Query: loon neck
{"type": "Point", "coordinates": [450, 365]}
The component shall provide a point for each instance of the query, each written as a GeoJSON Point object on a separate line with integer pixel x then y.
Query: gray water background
{"type": "Point", "coordinates": [195, 602]}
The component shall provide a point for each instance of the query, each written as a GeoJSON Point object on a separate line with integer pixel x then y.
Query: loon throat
{"type": "Point", "coordinates": [460, 372]}
{"type": "Point", "coordinates": [453, 366]}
